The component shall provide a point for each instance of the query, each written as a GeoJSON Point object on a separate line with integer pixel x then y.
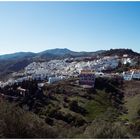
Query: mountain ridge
{"type": "Point", "coordinates": [50, 53]}
{"type": "Point", "coordinates": [65, 52]}
{"type": "Point", "coordinates": [55, 52]}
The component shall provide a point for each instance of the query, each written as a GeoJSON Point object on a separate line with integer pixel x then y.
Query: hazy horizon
{"type": "Point", "coordinates": [78, 26]}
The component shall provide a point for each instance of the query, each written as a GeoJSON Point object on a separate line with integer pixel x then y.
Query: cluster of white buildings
{"type": "Point", "coordinates": [56, 70]}
{"type": "Point", "coordinates": [127, 60]}
{"type": "Point", "coordinates": [132, 74]}
{"type": "Point", "coordinates": [62, 67]}
{"type": "Point", "coordinates": [12, 81]}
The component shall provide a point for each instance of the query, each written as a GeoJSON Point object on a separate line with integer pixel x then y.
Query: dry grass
{"type": "Point", "coordinates": [131, 88]}
{"type": "Point", "coordinates": [132, 99]}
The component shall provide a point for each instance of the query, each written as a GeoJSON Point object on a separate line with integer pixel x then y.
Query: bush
{"type": "Point", "coordinates": [17, 123]}
{"type": "Point", "coordinates": [135, 127]}
{"type": "Point", "coordinates": [104, 129]}
{"type": "Point", "coordinates": [138, 112]}
{"type": "Point", "coordinates": [76, 108]}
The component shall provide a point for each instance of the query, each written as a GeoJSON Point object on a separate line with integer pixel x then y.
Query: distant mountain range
{"type": "Point", "coordinates": [64, 53]}
{"type": "Point", "coordinates": [17, 61]}
{"type": "Point", "coordinates": [17, 55]}
{"type": "Point", "coordinates": [48, 54]}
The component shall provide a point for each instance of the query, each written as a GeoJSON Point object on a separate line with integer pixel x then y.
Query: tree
{"type": "Point", "coordinates": [17, 123]}
{"type": "Point", "coordinates": [76, 108]}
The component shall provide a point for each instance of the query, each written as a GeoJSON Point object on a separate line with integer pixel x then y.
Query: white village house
{"type": "Point", "coordinates": [136, 74]}
{"type": "Point", "coordinates": [52, 80]}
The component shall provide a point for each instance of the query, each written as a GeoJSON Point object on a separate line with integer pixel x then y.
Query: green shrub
{"type": "Point", "coordinates": [104, 129]}
{"type": "Point", "coordinates": [17, 123]}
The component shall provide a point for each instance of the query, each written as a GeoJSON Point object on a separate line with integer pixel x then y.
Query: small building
{"type": "Point", "coordinates": [40, 85]}
{"type": "Point", "coordinates": [127, 75]}
{"type": "Point", "coordinates": [125, 55]}
{"type": "Point", "coordinates": [87, 78]}
{"type": "Point", "coordinates": [126, 60]}
{"type": "Point", "coordinates": [22, 91]}
{"type": "Point", "coordinates": [136, 75]}
{"type": "Point", "coordinates": [52, 80]}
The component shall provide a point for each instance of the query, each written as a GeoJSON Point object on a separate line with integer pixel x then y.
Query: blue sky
{"type": "Point", "coordinates": [79, 26]}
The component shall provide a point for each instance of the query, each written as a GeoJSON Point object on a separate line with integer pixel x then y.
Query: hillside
{"type": "Point", "coordinates": [58, 51]}
{"type": "Point", "coordinates": [70, 111]}
{"type": "Point", "coordinates": [131, 98]}
{"type": "Point", "coordinates": [18, 61]}
{"type": "Point", "coordinates": [48, 54]}
{"type": "Point", "coordinates": [19, 55]}
{"type": "Point", "coordinates": [121, 52]}
{"type": "Point", "coordinates": [67, 105]}
{"type": "Point", "coordinates": [9, 66]}
{"type": "Point", "coordinates": [65, 53]}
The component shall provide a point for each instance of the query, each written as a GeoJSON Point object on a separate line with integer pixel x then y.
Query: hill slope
{"type": "Point", "coordinates": [15, 62]}
{"type": "Point", "coordinates": [15, 56]}
{"type": "Point", "coordinates": [71, 109]}
{"type": "Point", "coordinates": [121, 52]}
